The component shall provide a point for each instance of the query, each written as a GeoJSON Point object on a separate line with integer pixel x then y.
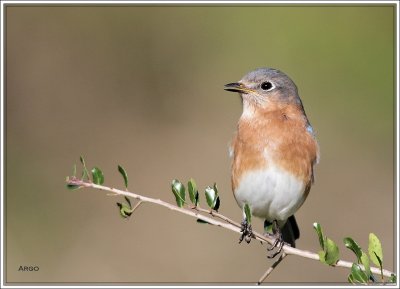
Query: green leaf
{"type": "Point", "coordinates": [331, 252]}
{"type": "Point", "coordinates": [365, 261]}
{"type": "Point", "coordinates": [321, 238]}
{"type": "Point", "coordinates": [358, 274]}
{"type": "Point", "coordinates": [192, 189]}
{"type": "Point", "coordinates": [124, 175]}
{"type": "Point", "coordinates": [196, 199]}
{"type": "Point", "coordinates": [392, 279]}
{"type": "Point", "coordinates": [247, 213]}
{"type": "Point", "coordinates": [82, 161]}
{"type": "Point", "coordinates": [98, 177]}
{"type": "Point", "coordinates": [215, 188]}
{"type": "Point", "coordinates": [375, 249]}
{"type": "Point", "coordinates": [353, 246]}
{"type": "Point", "coordinates": [350, 278]}
{"type": "Point", "coordinates": [217, 201]}
{"type": "Point", "coordinates": [179, 191]}
{"type": "Point", "coordinates": [124, 210]}
{"type": "Point", "coordinates": [321, 255]}
{"type": "Point", "coordinates": [128, 201]}
{"type": "Point", "coordinates": [380, 264]}
{"type": "Point", "coordinates": [268, 227]}
{"type": "Point", "coordinates": [211, 196]}
{"type": "Point", "coordinates": [217, 204]}
{"type": "Point", "coordinates": [85, 173]}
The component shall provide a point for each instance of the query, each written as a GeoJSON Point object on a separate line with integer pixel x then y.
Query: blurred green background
{"type": "Point", "coordinates": [143, 87]}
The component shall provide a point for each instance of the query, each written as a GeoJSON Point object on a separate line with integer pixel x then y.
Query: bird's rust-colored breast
{"type": "Point", "coordinates": [278, 135]}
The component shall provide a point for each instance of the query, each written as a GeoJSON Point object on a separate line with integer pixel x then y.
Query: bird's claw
{"type": "Point", "coordinates": [247, 232]}
{"type": "Point", "coordinates": [278, 245]}
{"type": "Point", "coordinates": [278, 242]}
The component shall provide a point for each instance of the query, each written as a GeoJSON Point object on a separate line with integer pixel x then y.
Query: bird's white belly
{"type": "Point", "coordinates": [271, 193]}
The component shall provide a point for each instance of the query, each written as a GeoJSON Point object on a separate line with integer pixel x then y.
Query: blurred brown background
{"type": "Point", "coordinates": [143, 87]}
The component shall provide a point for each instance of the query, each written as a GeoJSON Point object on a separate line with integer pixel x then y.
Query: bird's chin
{"type": "Point", "coordinates": [249, 110]}
{"type": "Point", "coordinates": [254, 101]}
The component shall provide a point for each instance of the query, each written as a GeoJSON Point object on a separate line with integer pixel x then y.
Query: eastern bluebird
{"type": "Point", "coordinates": [273, 152]}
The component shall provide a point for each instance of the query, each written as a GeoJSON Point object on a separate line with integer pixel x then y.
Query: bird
{"type": "Point", "coordinates": [274, 151]}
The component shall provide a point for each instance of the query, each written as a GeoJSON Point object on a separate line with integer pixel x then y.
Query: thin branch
{"type": "Point", "coordinates": [218, 215]}
{"type": "Point", "coordinates": [270, 269]}
{"type": "Point", "coordinates": [136, 205]}
{"type": "Point", "coordinates": [227, 224]}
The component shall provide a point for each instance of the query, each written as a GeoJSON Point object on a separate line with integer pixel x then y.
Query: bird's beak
{"type": "Point", "coordinates": [237, 87]}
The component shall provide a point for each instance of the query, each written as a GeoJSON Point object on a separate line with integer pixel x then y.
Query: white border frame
{"type": "Point", "coordinates": [4, 3]}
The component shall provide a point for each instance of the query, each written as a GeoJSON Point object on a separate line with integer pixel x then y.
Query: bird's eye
{"type": "Point", "coordinates": [267, 85]}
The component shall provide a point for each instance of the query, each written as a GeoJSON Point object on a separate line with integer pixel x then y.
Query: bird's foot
{"type": "Point", "coordinates": [276, 247]}
{"type": "Point", "coordinates": [247, 232]}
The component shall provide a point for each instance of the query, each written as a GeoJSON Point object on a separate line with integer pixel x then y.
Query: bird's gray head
{"type": "Point", "coordinates": [264, 86]}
